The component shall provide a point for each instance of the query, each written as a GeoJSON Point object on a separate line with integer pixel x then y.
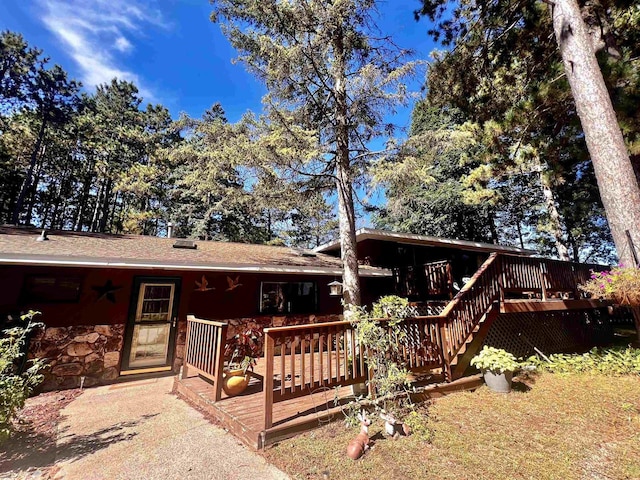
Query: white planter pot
{"type": "Point", "coordinates": [498, 382]}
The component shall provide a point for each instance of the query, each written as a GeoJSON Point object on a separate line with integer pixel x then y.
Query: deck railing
{"type": "Point", "coordinates": [421, 345]}
{"type": "Point", "coordinates": [204, 350]}
{"type": "Point", "coordinates": [542, 276]}
{"type": "Point", "coordinates": [300, 359]}
{"type": "Point", "coordinates": [499, 274]}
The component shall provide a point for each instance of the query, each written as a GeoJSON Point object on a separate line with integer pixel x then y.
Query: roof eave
{"type": "Point", "coordinates": [68, 261]}
{"type": "Point", "coordinates": [414, 239]}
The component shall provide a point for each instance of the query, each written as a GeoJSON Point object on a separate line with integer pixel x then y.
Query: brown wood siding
{"type": "Point", "coordinates": [216, 304]}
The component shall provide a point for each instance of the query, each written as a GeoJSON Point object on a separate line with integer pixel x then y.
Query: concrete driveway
{"type": "Point", "coordinates": [140, 430]}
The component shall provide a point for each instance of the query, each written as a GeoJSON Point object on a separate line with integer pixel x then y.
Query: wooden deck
{"type": "Point", "coordinates": [243, 415]}
{"type": "Point", "coordinates": [302, 381]}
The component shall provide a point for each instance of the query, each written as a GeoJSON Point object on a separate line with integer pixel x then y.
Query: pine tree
{"type": "Point", "coordinates": [327, 71]}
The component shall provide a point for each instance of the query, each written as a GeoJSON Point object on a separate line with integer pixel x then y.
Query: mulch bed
{"type": "Point", "coordinates": [31, 451]}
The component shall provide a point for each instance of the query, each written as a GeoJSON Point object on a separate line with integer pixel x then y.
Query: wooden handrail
{"type": "Point", "coordinates": [306, 326]}
{"type": "Point", "coordinates": [468, 286]}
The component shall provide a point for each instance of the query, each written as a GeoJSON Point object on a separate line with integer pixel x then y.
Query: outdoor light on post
{"type": "Point", "coordinates": [335, 289]}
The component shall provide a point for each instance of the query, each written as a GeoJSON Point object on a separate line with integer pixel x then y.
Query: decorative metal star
{"type": "Point", "coordinates": [107, 291]}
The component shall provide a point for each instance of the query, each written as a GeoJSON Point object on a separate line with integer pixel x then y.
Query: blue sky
{"type": "Point", "coordinates": [169, 48]}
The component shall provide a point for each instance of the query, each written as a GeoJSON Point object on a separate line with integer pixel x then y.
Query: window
{"type": "Point", "coordinates": [50, 289]}
{"type": "Point", "coordinates": [288, 297]}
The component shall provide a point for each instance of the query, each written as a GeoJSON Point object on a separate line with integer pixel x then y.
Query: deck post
{"type": "Point", "coordinates": [185, 359]}
{"type": "Point", "coordinates": [543, 281]}
{"type": "Point", "coordinates": [219, 366]}
{"type": "Point", "coordinates": [444, 348]}
{"type": "Point", "coordinates": [269, 351]}
{"type": "Point", "coordinates": [500, 270]}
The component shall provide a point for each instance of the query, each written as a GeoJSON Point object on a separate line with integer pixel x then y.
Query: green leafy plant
{"type": "Point", "coordinates": [380, 333]}
{"type": "Point", "coordinates": [608, 361]}
{"type": "Point", "coordinates": [620, 284]}
{"type": "Point", "coordinates": [18, 377]}
{"type": "Point", "coordinates": [418, 422]}
{"type": "Point", "coordinates": [391, 307]}
{"type": "Point", "coordinates": [495, 360]}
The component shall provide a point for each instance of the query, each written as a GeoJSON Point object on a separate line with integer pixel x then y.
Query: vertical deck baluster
{"type": "Point", "coordinates": [283, 373]}
{"type": "Point", "coordinates": [354, 354]}
{"type": "Point", "coordinates": [292, 362]}
{"type": "Point", "coordinates": [321, 341]}
{"type": "Point", "coordinates": [209, 349]}
{"type": "Point", "coordinates": [312, 343]}
{"type": "Point", "coordinates": [329, 355]}
{"type": "Point", "coordinates": [337, 354]}
{"type": "Point", "coordinates": [303, 354]}
{"type": "Point", "coordinates": [345, 343]}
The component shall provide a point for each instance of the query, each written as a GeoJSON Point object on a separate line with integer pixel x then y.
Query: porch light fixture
{"type": "Point", "coordinates": [335, 289]}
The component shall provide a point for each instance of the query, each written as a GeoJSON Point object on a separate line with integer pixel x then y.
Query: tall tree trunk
{"type": "Point", "coordinates": [616, 179]}
{"type": "Point", "coordinates": [33, 190]}
{"type": "Point", "coordinates": [555, 220]}
{"type": "Point", "coordinates": [492, 227]}
{"type": "Point", "coordinates": [102, 227]}
{"type": "Point", "coordinates": [15, 218]}
{"type": "Point", "coordinates": [96, 209]}
{"type": "Point", "coordinates": [84, 200]}
{"type": "Point", "coordinates": [346, 209]}
{"type": "Point", "coordinates": [519, 230]}
{"type": "Point", "coordinates": [575, 251]}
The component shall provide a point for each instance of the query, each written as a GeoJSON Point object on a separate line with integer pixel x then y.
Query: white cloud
{"type": "Point", "coordinates": [123, 45]}
{"type": "Point", "coordinates": [93, 32]}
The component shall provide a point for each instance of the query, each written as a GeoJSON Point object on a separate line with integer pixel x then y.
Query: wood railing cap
{"type": "Point", "coordinates": [194, 319]}
{"type": "Point", "coordinates": [307, 326]}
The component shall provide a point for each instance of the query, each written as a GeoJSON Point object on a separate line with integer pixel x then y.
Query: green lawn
{"type": "Point", "coordinates": [554, 427]}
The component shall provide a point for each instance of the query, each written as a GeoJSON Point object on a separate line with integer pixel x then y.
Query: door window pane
{"type": "Point", "coordinates": [155, 304]}
{"type": "Point", "coordinates": [149, 345]}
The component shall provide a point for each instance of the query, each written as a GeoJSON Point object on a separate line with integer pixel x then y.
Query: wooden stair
{"type": "Point", "coordinates": [474, 342]}
{"type": "Point", "coordinates": [466, 320]}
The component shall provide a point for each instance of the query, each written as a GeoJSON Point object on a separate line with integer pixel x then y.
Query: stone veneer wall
{"type": "Point", "coordinates": [89, 351]}
{"type": "Point", "coordinates": [93, 351]}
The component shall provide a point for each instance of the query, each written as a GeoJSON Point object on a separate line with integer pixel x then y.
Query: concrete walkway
{"type": "Point", "coordinates": [140, 430]}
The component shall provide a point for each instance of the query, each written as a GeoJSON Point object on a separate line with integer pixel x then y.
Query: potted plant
{"type": "Point", "coordinates": [242, 351]}
{"type": "Point", "coordinates": [497, 367]}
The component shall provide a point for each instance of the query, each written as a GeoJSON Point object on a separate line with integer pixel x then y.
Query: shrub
{"type": "Point", "coordinates": [382, 339]}
{"type": "Point", "coordinates": [418, 422]}
{"type": "Point", "coordinates": [495, 360]}
{"type": "Point", "coordinates": [18, 377]}
{"type": "Point", "coordinates": [608, 361]}
{"type": "Point", "coordinates": [621, 285]}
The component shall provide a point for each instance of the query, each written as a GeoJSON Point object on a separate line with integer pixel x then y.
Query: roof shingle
{"type": "Point", "coordinates": [64, 247]}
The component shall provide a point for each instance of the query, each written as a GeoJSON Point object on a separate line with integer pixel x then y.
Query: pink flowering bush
{"type": "Point", "coordinates": [621, 285]}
